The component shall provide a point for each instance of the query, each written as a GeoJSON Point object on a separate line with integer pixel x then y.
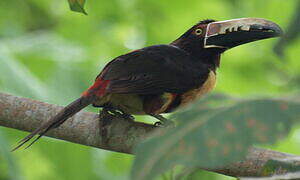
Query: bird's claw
{"type": "Point", "coordinates": [158, 124]}
{"type": "Point", "coordinates": [127, 116]}
{"type": "Point", "coordinates": [119, 113]}
{"type": "Point", "coordinates": [164, 123]}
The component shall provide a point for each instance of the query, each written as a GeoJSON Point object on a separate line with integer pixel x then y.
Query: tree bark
{"type": "Point", "coordinates": [121, 135]}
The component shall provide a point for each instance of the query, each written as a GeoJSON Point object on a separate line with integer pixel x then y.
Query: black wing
{"type": "Point", "coordinates": [155, 69]}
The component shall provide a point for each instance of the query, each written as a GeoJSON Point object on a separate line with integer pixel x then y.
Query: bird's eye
{"type": "Point", "coordinates": [198, 31]}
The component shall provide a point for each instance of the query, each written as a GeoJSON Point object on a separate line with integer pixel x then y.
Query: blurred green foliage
{"type": "Point", "coordinates": [213, 136]}
{"type": "Point", "coordinates": [52, 54]}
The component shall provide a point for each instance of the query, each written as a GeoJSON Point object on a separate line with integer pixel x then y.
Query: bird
{"type": "Point", "coordinates": [163, 78]}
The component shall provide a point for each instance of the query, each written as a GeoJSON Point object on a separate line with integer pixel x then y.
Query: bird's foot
{"type": "Point", "coordinates": [163, 122]}
{"type": "Point", "coordinates": [119, 113]}
{"type": "Point", "coordinates": [158, 124]}
{"type": "Point", "coordinates": [127, 116]}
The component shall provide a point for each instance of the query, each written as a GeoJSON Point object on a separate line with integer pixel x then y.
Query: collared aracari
{"type": "Point", "coordinates": [161, 78]}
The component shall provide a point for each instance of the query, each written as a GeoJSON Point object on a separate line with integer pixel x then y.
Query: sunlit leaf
{"type": "Point", "coordinates": [214, 137]}
{"type": "Point", "coordinates": [77, 5]}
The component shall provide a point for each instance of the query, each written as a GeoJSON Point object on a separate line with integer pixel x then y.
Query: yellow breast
{"type": "Point", "coordinates": [194, 94]}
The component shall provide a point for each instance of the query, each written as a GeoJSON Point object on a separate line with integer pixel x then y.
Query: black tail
{"type": "Point", "coordinates": [57, 120]}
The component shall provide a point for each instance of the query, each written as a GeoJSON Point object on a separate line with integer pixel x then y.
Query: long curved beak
{"type": "Point", "coordinates": [232, 33]}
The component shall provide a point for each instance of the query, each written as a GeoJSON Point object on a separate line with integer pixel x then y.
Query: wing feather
{"type": "Point", "coordinates": [154, 69]}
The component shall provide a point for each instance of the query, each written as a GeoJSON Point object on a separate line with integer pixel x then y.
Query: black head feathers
{"type": "Point", "coordinates": [206, 21]}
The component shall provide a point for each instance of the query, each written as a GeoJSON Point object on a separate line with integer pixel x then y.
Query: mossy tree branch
{"type": "Point", "coordinates": [118, 134]}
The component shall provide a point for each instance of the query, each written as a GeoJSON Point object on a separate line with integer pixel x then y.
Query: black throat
{"type": "Point", "coordinates": [209, 57]}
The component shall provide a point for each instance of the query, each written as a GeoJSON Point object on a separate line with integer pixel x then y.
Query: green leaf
{"type": "Point", "coordinates": [214, 137]}
{"type": "Point", "coordinates": [77, 5]}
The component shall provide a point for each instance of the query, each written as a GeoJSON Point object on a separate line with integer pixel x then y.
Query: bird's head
{"type": "Point", "coordinates": [210, 37]}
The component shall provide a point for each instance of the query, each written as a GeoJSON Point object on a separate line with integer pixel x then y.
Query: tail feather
{"type": "Point", "coordinates": [57, 120]}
